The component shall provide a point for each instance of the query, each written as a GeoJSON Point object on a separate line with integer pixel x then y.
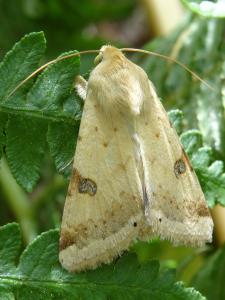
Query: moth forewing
{"type": "Point", "coordinates": [176, 208]}
{"type": "Point", "coordinates": [131, 177]}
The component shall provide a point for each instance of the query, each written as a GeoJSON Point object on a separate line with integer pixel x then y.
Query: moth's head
{"type": "Point", "coordinates": [108, 52]}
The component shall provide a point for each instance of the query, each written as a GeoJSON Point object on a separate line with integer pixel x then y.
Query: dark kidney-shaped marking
{"type": "Point", "coordinates": [87, 186]}
{"type": "Point", "coordinates": [179, 167]}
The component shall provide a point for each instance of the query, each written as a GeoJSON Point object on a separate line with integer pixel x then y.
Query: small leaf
{"type": "Point", "coordinates": [40, 276]}
{"type": "Point", "coordinates": [176, 117]}
{"type": "Point", "coordinates": [62, 140]}
{"type": "Point", "coordinates": [10, 244]}
{"type": "Point", "coordinates": [202, 157]}
{"type": "Point", "coordinates": [62, 137]}
{"type": "Point", "coordinates": [18, 63]}
{"type": "Point", "coordinates": [210, 279]}
{"type": "Point", "coordinates": [191, 140]}
{"type": "Point", "coordinates": [25, 149]}
{"type": "Point", "coordinates": [51, 91]}
{"type": "Point", "coordinates": [204, 8]}
{"type": "Point", "coordinates": [209, 172]}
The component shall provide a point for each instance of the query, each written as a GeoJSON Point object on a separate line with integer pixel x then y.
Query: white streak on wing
{"type": "Point", "coordinates": [142, 171]}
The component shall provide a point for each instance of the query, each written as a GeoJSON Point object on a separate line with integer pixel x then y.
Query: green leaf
{"type": "Point", "coordinates": [210, 279]}
{"type": "Point", "coordinates": [191, 140]}
{"type": "Point", "coordinates": [62, 140]}
{"type": "Point", "coordinates": [214, 9]}
{"type": "Point", "coordinates": [18, 63]}
{"type": "Point", "coordinates": [25, 149]}
{"type": "Point", "coordinates": [202, 157]}
{"type": "Point", "coordinates": [176, 117]}
{"type": "Point", "coordinates": [51, 94]}
{"type": "Point", "coordinates": [40, 276]}
{"type": "Point", "coordinates": [62, 137]}
{"type": "Point", "coordinates": [10, 244]}
{"type": "Point", "coordinates": [209, 172]}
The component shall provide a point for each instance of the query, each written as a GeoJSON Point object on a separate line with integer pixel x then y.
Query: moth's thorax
{"type": "Point", "coordinates": [118, 85]}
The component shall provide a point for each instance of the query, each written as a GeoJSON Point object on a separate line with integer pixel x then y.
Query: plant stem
{"type": "Point", "coordinates": [18, 202]}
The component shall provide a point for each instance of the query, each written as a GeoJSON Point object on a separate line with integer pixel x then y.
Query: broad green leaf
{"type": "Point", "coordinates": [18, 63]}
{"type": "Point", "coordinates": [214, 9]}
{"type": "Point", "coordinates": [210, 279]}
{"type": "Point", "coordinates": [25, 149]}
{"type": "Point", "coordinates": [40, 276]}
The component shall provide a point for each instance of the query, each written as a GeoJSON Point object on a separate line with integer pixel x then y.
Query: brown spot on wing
{"type": "Point", "coordinates": [65, 241]}
{"type": "Point", "coordinates": [181, 164]}
{"type": "Point", "coordinates": [105, 144]}
{"type": "Point", "coordinates": [84, 185]}
{"type": "Point", "coordinates": [87, 186]}
{"type": "Point", "coordinates": [179, 167]}
{"type": "Point", "coordinates": [202, 210]}
{"type": "Point", "coordinates": [157, 134]}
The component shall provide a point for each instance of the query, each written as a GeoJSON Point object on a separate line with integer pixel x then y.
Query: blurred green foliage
{"type": "Point", "coordinates": [198, 43]}
{"type": "Point", "coordinates": [64, 22]}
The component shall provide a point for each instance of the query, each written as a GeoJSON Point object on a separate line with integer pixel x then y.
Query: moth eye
{"type": "Point", "coordinates": [98, 59]}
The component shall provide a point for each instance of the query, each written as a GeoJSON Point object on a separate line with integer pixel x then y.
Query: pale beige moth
{"type": "Point", "coordinates": [131, 178]}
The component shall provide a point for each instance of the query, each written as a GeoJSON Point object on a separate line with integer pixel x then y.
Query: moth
{"type": "Point", "coordinates": [131, 178]}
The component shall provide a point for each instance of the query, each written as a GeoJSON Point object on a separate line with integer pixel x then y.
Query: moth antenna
{"type": "Point", "coordinates": [170, 59]}
{"type": "Point", "coordinates": [97, 51]}
{"type": "Point", "coordinates": [48, 64]}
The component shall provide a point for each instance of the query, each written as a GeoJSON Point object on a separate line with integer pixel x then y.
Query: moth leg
{"type": "Point", "coordinates": [81, 87]}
